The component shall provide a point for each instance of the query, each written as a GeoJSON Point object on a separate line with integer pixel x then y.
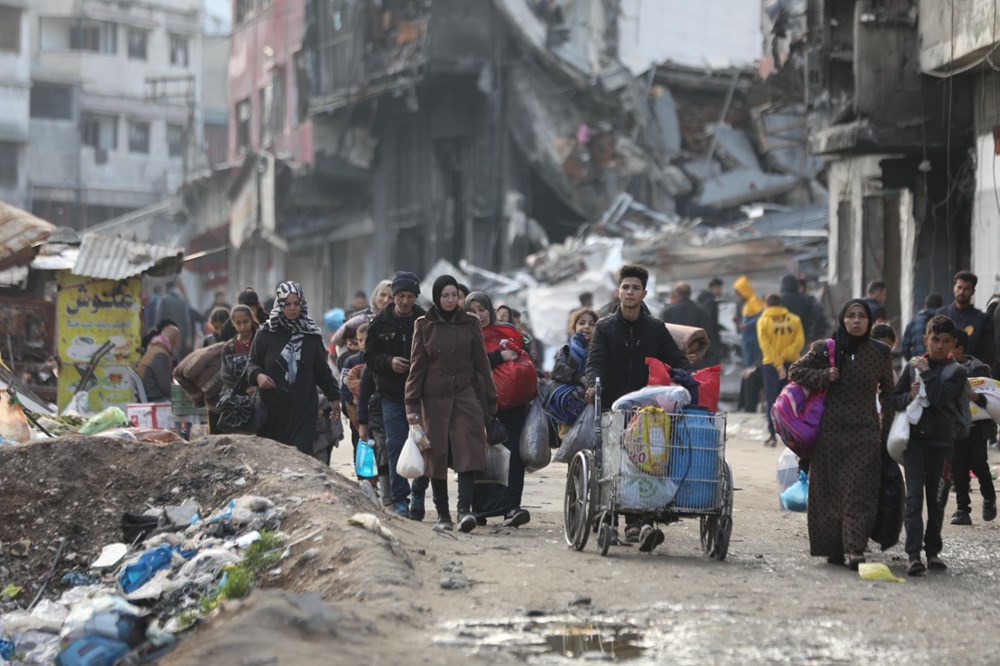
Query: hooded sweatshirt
{"type": "Point", "coordinates": [753, 306]}
{"type": "Point", "coordinates": [780, 335]}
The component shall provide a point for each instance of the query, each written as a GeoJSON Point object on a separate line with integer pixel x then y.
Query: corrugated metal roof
{"type": "Point", "coordinates": [117, 258]}
{"type": "Point", "coordinates": [19, 231]}
{"type": "Point", "coordinates": [802, 222]}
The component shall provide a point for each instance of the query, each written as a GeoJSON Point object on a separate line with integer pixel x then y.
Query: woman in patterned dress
{"type": "Point", "coordinates": [845, 469]}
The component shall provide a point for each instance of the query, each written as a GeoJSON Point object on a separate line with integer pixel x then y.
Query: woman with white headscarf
{"type": "Point", "coordinates": [287, 364]}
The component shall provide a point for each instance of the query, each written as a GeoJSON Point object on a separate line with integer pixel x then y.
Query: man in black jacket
{"type": "Point", "coordinates": [806, 307]}
{"type": "Point", "coordinates": [682, 310]}
{"type": "Point", "coordinates": [387, 355]}
{"type": "Point", "coordinates": [970, 319]}
{"type": "Point", "coordinates": [617, 355]}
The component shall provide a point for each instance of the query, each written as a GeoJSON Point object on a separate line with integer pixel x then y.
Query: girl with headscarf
{"type": "Point", "coordinates": [845, 471]}
{"type": "Point", "coordinates": [450, 392]}
{"type": "Point", "coordinates": [287, 364]}
{"type": "Point", "coordinates": [503, 344]}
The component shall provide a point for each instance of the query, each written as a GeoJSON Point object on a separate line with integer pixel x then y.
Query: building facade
{"type": "Point", "coordinates": [115, 105]}
{"type": "Point", "coordinates": [15, 97]}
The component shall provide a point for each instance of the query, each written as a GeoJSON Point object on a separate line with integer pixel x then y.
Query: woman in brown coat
{"type": "Point", "coordinates": [448, 365]}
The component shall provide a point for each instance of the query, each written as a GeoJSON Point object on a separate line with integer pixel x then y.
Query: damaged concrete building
{"type": "Point", "coordinates": [897, 93]}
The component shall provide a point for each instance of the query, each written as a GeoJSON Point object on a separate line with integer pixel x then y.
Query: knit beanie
{"type": "Point", "coordinates": [405, 281]}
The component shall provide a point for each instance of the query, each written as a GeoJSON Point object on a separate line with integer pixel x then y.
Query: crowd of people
{"type": "Point", "coordinates": [464, 371]}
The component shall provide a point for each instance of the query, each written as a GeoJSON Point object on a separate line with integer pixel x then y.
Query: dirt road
{"type": "Point", "coordinates": [767, 601]}
{"type": "Point", "coordinates": [525, 596]}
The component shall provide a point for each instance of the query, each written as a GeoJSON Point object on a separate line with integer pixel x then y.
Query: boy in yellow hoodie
{"type": "Point", "coordinates": [752, 382]}
{"type": "Point", "coordinates": [781, 340]}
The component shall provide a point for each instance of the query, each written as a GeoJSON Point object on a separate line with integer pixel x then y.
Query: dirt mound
{"type": "Point", "coordinates": [80, 487]}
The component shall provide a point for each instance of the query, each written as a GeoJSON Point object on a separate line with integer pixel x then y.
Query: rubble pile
{"type": "Point", "coordinates": [114, 546]}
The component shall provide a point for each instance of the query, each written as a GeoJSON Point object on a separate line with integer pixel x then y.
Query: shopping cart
{"type": "Point", "coordinates": [657, 465]}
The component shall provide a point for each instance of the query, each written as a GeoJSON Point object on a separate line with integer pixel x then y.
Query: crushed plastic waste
{"type": "Point", "coordinates": [110, 556]}
{"type": "Point", "coordinates": [877, 571]}
{"type": "Point", "coordinates": [112, 417]}
{"type": "Point", "coordinates": [11, 591]}
{"type": "Point", "coordinates": [6, 649]}
{"type": "Point", "coordinates": [92, 651]}
{"type": "Point", "coordinates": [77, 578]}
{"type": "Point", "coordinates": [372, 524]}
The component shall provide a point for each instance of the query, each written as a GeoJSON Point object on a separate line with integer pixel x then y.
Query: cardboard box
{"type": "Point", "coordinates": [150, 415]}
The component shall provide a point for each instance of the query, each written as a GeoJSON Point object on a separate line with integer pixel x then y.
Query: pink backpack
{"type": "Point", "coordinates": [797, 413]}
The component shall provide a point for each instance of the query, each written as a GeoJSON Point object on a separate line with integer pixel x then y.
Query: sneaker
{"type": "Point", "coordinates": [916, 568]}
{"type": "Point", "coordinates": [466, 522]}
{"type": "Point", "coordinates": [989, 510]}
{"type": "Point", "coordinates": [444, 523]}
{"type": "Point", "coordinates": [417, 506]}
{"type": "Point", "coordinates": [650, 538]}
{"type": "Point", "coordinates": [935, 563]}
{"type": "Point", "coordinates": [481, 521]}
{"type": "Point", "coordinates": [516, 518]}
{"type": "Point", "coordinates": [401, 509]}
{"type": "Point", "coordinates": [961, 517]}
{"type": "Point", "coordinates": [632, 534]}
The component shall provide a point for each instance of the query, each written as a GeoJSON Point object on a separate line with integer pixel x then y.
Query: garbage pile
{"type": "Point", "coordinates": [172, 567]}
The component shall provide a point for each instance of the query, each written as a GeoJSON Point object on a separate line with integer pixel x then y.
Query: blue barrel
{"type": "Point", "coordinates": [694, 460]}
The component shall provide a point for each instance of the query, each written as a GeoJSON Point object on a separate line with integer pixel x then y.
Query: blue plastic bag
{"type": "Point", "coordinates": [92, 651]}
{"type": "Point", "coordinates": [364, 460]}
{"type": "Point", "coordinates": [142, 570]}
{"type": "Point", "coordinates": [796, 497]}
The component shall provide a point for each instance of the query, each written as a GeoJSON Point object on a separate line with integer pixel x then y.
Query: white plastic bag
{"type": "Point", "coordinates": [788, 471]}
{"type": "Point", "coordinates": [411, 461]}
{"type": "Point", "coordinates": [418, 435]}
{"type": "Point", "coordinates": [497, 464]}
{"type": "Point", "coordinates": [915, 409]}
{"type": "Point", "coordinates": [899, 436]}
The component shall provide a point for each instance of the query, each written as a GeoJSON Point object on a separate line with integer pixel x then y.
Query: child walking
{"type": "Point", "coordinates": [970, 452]}
{"type": "Point", "coordinates": [931, 439]}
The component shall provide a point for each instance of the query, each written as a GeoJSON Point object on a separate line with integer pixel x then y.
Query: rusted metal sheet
{"type": "Point", "coordinates": [19, 232]}
{"type": "Point", "coordinates": [117, 258]}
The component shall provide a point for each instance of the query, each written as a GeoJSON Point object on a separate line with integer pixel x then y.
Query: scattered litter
{"type": "Point", "coordinates": [110, 555]}
{"type": "Point", "coordinates": [11, 591]}
{"type": "Point", "coordinates": [372, 524]}
{"type": "Point", "coordinates": [77, 578]}
{"type": "Point", "coordinates": [139, 572]}
{"type": "Point", "coordinates": [112, 417]}
{"type": "Point", "coordinates": [877, 571]}
{"type": "Point", "coordinates": [581, 601]}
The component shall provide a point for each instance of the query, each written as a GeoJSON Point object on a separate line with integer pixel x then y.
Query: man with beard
{"type": "Point", "coordinates": [970, 319]}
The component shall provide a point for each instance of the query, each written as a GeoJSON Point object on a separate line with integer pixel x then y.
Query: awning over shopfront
{"type": "Point", "coordinates": [20, 231]}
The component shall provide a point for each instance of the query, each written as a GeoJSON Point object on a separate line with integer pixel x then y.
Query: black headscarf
{"type": "Point", "coordinates": [484, 300]}
{"type": "Point", "coordinates": [439, 285]}
{"type": "Point", "coordinates": [847, 343]}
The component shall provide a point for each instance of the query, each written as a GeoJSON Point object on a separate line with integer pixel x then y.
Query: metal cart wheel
{"type": "Point", "coordinates": [716, 530]}
{"type": "Point", "coordinates": [605, 533]}
{"type": "Point", "coordinates": [578, 503]}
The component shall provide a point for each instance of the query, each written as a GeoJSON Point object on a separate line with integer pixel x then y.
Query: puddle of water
{"type": "Point", "coordinates": [564, 637]}
{"type": "Point", "coordinates": [577, 643]}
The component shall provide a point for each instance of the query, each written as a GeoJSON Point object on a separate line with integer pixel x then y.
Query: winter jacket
{"type": "Point", "coordinates": [806, 308]}
{"type": "Point", "coordinates": [390, 336]}
{"type": "Point", "coordinates": [877, 309]}
{"type": "Point", "coordinates": [935, 427]}
{"type": "Point", "coordinates": [369, 402]}
{"type": "Point", "coordinates": [619, 349]}
{"type": "Point", "coordinates": [155, 370]}
{"type": "Point", "coordinates": [913, 336]}
{"type": "Point", "coordinates": [451, 385]}
{"type": "Point", "coordinates": [687, 313]}
{"type": "Point", "coordinates": [780, 335]}
{"type": "Point", "coordinates": [978, 326]}
{"type": "Point", "coordinates": [753, 306]}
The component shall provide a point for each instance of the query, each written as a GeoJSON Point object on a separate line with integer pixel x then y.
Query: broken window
{"type": "Point", "coordinates": [94, 36]}
{"type": "Point", "coordinates": [178, 50]}
{"type": "Point", "coordinates": [98, 131]}
{"type": "Point", "coordinates": [10, 29]}
{"type": "Point", "coordinates": [8, 163]}
{"type": "Point", "coordinates": [138, 137]}
{"type": "Point", "coordinates": [49, 101]}
{"type": "Point", "coordinates": [301, 87]}
{"type": "Point", "coordinates": [137, 39]}
{"type": "Point", "coordinates": [175, 140]}
{"type": "Point", "coordinates": [243, 125]}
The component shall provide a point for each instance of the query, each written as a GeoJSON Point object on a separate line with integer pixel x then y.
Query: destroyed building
{"type": "Point", "coordinates": [897, 93]}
